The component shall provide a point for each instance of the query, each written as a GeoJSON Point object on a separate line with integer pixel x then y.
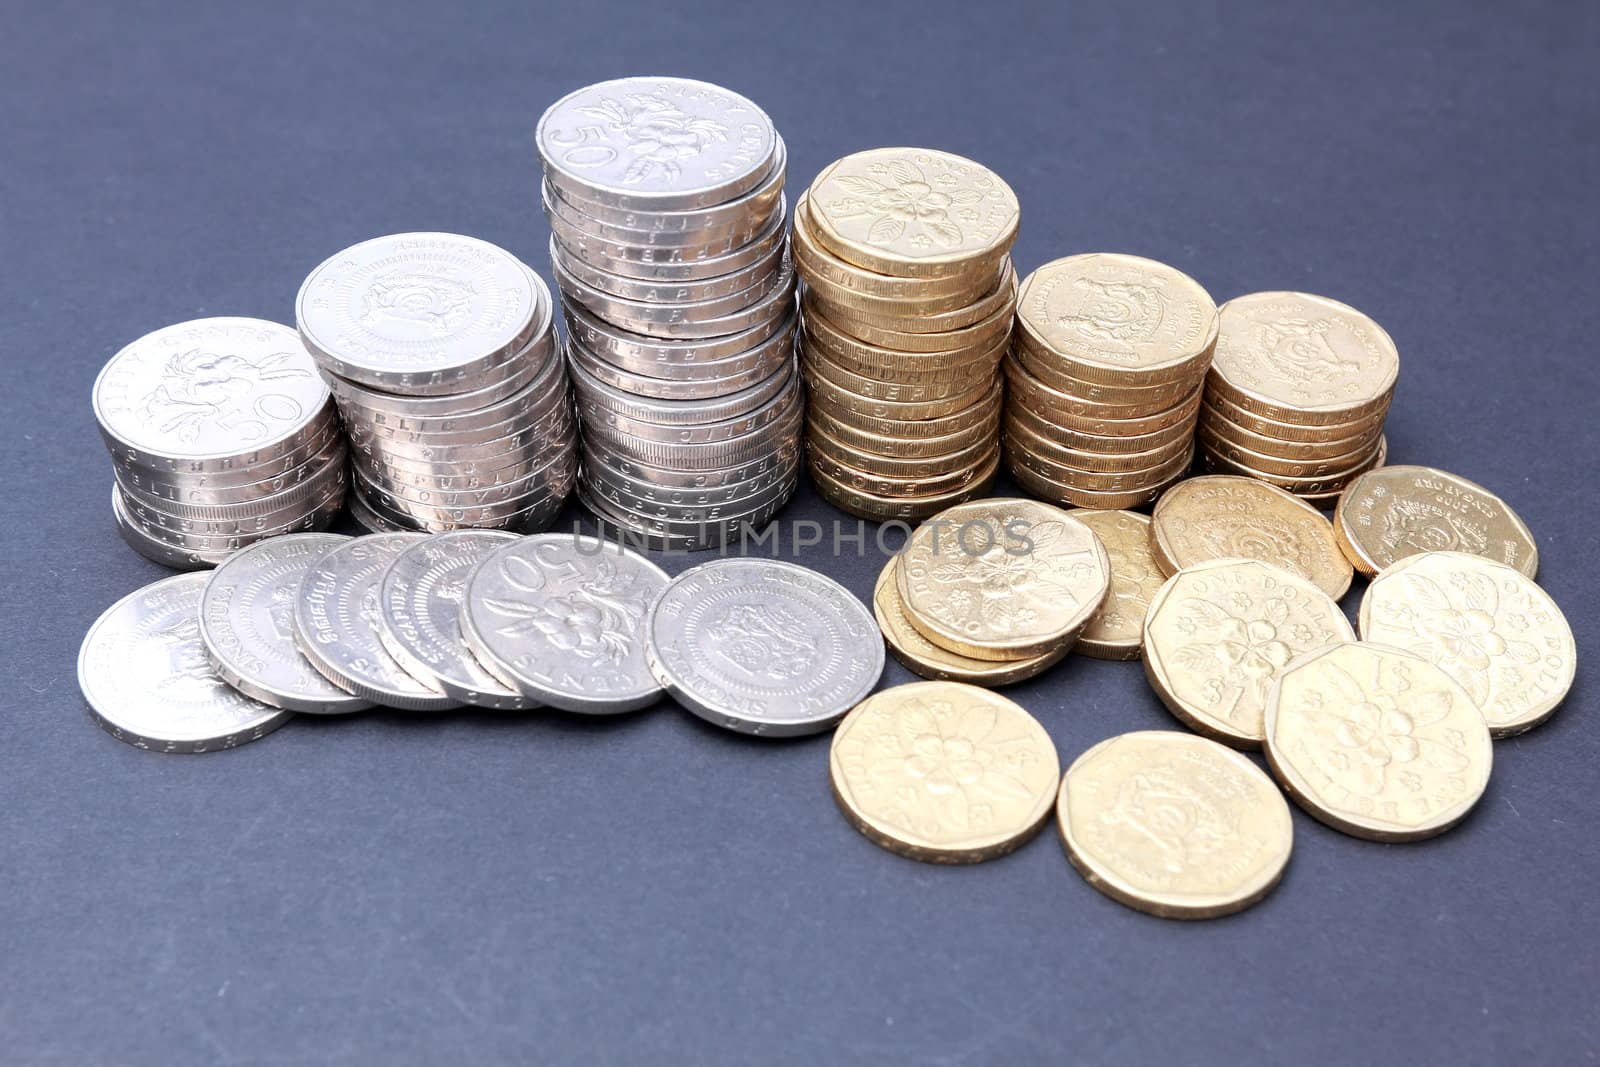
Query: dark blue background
{"type": "Point", "coordinates": [481, 888]}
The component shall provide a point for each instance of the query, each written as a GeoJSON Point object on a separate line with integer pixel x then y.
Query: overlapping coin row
{"type": "Point", "coordinates": [666, 209]}
{"type": "Point", "coordinates": [1297, 393]}
{"type": "Point", "coordinates": [221, 434]}
{"type": "Point", "coordinates": [909, 296]}
{"type": "Point", "coordinates": [1105, 374]}
{"type": "Point", "coordinates": [323, 624]}
{"type": "Point", "coordinates": [442, 355]}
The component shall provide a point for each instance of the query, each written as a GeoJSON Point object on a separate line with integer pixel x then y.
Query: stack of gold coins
{"type": "Point", "coordinates": [1106, 371]}
{"type": "Point", "coordinates": [907, 310]}
{"type": "Point", "coordinates": [1297, 393]}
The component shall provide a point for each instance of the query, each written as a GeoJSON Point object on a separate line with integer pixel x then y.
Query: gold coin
{"type": "Point", "coordinates": [1116, 631]}
{"type": "Point", "coordinates": [878, 417]}
{"type": "Point", "coordinates": [1119, 319]}
{"type": "Point", "coordinates": [894, 466]}
{"type": "Point", "coordinates": [1484, 624]}
{"type": "Point", "coordinates": [985, 431]}
{"type": "Point", "coordinates": [1326, 467]}
{"type": "Point", "coordinates": [1053, 406]}
{"type": "Point", "coordinates": [983, 333]}
{"type": "Point", "coordinates": [1095, 499]}
{"type": "Point", "coordinates": [1174, 825]}
{"type": "Point", "coordinates": [859, 316]}
{"type": "Point", "coordinates": [912, 212]}
{"type": "Point", "coordinates": [886, 485]}
{"type": "Point", "coordinates": [817, 265]}
{"type": "Point", "coordinates": [1042, 427]}
{"type": "Point", "coordinates": [1003, 578]}
{"type": "Point", "coordinates": [1394, 512]}
{"type": "Point", "coordinates": [1377, 742]}
{"type": "Point", "coordinates": [882, 509]}
{"type": "Point", "coordinates": [1137, 399]}
{"type": "Point", "coordinates": [1087, 460]}
{"type": "Point", "coordinates": [1229, 432]}
{"type": "Point", "coordinates": [916, 391]}
{"type": "Point", "coordinates": [1219, 632]}
{"type": "Point", "coordinates": [831, 385]}
{"type": "Point", "coordinates": [923, 657]}
{"type": "Point", "coordinates": [1303, 358]}
{"type": "Point", "coordinates": [865, 358]}
{"type": "Point", "coordinates": [969, 369]}
{"type": "Point", "coordinates": [1298, 433]}
{"type": "Point", "coordinates": [958, 309]}
{"type": "Point", "coordinates": [1224, 517]}
{"type": "Point", "coordinates": [1222, 463]}
{"type": "Point", "coordinates": [1020, 455]}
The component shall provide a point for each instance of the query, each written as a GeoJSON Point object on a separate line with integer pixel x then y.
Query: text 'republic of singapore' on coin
{"type": "Point", "coordinates": [337, 616]}
{"type": "Point", "coordinates": [420, 601]}
{"type": "Point", "coordinates": [764, 647]}
{"type": "Point", "coordinates": [144, 671]}
{"type": "Point", "coordinates": [560, 618]}
{"type": "Point", "coordinates": [1116, 631]}
{"type": "Point", "coordinates": [1487, 625]}
{"type": "Point", "coordinates": [1174, 825]}
{"type": "Point", "coordinates": [943, 772]}
{"type": "Point", "coordinates": [1376, 742]}
{"type": "Point", "coordinates": [1390, 513]}
{"type": "Point", "coordinates": [921, 656]}
{"type": "Point", "coordinates": [247, 624]}
{"type": "Point", "coordinates": [860, 205]}
{"type": "Point", "coordinates": [654, 143]}
{"type": "Point", "coordinates": [1219, 632]}
{"type": "Point", "coordinates": [1222, 516]}
{"type": "Point", "coordinates": [422, 313]}
{"type": "Point", "coordinates": [1003, 578]}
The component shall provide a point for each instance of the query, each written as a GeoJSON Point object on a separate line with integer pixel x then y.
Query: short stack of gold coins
{"type": "Point", "coordinates": [1297, 393]}
{"type": "Point", "coordinates": [1106, 373]}
{"type": "Point", "coordinates": [908, 305]}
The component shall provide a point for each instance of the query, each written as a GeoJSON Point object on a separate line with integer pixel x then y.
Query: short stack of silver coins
{"type": "Point", "coordinates": [665, 203]}
{"type": "Point", "coordinates": [442, 354]}
{"type": "Point", "coordinates": [221, 434]}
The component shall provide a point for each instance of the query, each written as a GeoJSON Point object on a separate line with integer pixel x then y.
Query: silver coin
{"type": "Point", "coordinates": [638, 535]}
{"type": "Point", "coordinates": [420, 601]}
{"type": "Point", "coordinates": [369, 520]}
{"type": "Point", "coordinates": [741, 373]}
{"type": "Point", "coordinates": [247, 624]}
{"type": "Point", "coordinates": [757, 203]}
{"type": "Point", "coordinates": [296, 496]}
{"type": "Point", "coordinates": [667, 358]}
{"type": "Point", "coordinates": [665, 268]}
{"type": "Point", "coordinates": [640, 437]}
{"type": "Point", "coordinates": [728, 519]}
{"type": "Point", "coordinates": [764, 647]}
{"type": "Point", "coordinates": [336, 620]}
{"type": "Point", "coordinates": [711, 456]}
{"type": "Point", "coordinates": [452, 479]}
{"type": "Point", "coordinates": [554, 428]}
{"type": "Point", "coordinates": [181, 553]}
{"type": "Point", "coordinates": [668, 514]}
{"type": "Point", "coordinates": [597, 453]}
{"type": "Point", "coordinates": [144, 672]}
{"type": "Point", "coordinates": [544, 400]}
{"type": "Point", "coordinates": [532, 513]}
{"type": "Point", "coordinates": [620, 242]}
{"type": "Point", "coordinates": [208, 395]}
{"type": "Point", "coordinates": [160, 521]}
{"type": "Point", "coordinates": [420, 313]}
{"type": "Point", "coordinates": [656, 144]}
{"type": "Point", "coordinates": [593, 392]}
{"type": "Point", "coordinates": [475, 496]}
{"type": "Point", "coordinates": [216, 541]}
{"type": "Point", "coordinates": [711, 375]}
{"type": "Point", "coordinates": [542, 376]}
{"type": "Point", "coordinates": [203, 489]}
{"type": "Point", "coordinates": [724, 491]}
{"type": "Point", "coordinates": [658, 291]}
{"type": "Point", "coordinates": [561, 617]}
{"type": "Point", "coordinates": [510, 378]}
{"type": "Point", "coordinates": [702, 319]}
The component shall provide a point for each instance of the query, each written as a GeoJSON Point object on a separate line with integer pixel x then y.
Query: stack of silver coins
{"type": "Point", "coordinates": [221, 434]}
{"type": "Point", "coordinates": [665, 203]}
{"type": "Point", "coordinates": [442, 355]}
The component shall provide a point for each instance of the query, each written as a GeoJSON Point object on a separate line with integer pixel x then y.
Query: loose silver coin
{"type": "Point", "coordinates": [336, 621]}
{"type": "Point", "coordinates": [247, 624]}
{"type": "Point", "coordinates": [561, 618]}
{"type": "Point", "coordinates": [656, 144]}
{"type": "Point", "coordinates": [764, 647]}
{"type": "Point", "coordinates": [143, 669]}
{"type": "Point", "coordinates": [420, 601]}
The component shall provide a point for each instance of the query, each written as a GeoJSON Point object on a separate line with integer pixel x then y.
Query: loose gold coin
{"type": "Point", "coordinates": [1301, 487]}
{"type": "Point", "coordinates": [856, 314]}
{"type": "Point", "coordinates": [912, 212]}
{"type": "Point", "coordinates": [1003, 578]}
{"type": "Point", "coordinates": [864, 358]}
{"type": "Point", "coordinates": [1020, 456]}
{"type": "Point", "coordinates": [1394, 512]}
{"type": "Point", "coordinates": [1218, 633]}
{"type": "Point", "coordinates": [1293, 432]}
{"type": "Point", "coordinates": [1174, 825]}
{"type": "Point", "coordinates": [1096, 443]}
{"type": "Point", "coordinates": [943, 772]}
{"type": "Point", "coordinates": [1097, 499]}
{"type": "Point", "coordinates": [1302, 358]}
{"type": "Point", "coordinates": [923, 657]}
{"type": "Point", "coordinates": [1223, 517]}
{"type": "Point", "coordinates": [983, 432]}
{"type": "Point", "coordinates": [1055, 406]}
{"type": "Point", "coordinates": [816, 265]}
{"type": "Point", "coordinates": [1484, 624]}
{"type": "Point", "coordinates": [983, 333]}
{"type": "Point", "coordinates": [882, 508]}
{"type": "Point", "coordinates": [1119, 319]}
{"type": "Point", "coordinates": [1376, 742]}
{"type": "Point", "coordinates": [1116, 631]}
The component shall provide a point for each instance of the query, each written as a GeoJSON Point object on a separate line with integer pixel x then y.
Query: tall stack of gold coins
{"type": "Point", "coordinates": [1106, 373]}
{"type": "Point", "coordinates": [666, 210]}
{"type": "Point", "coordinates": [1297, 393]}
{"type": "Point", "coordinates": [908, 303]}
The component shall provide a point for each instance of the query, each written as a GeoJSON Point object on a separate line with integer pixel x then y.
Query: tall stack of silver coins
{"type": "Point", "coordinates": [221, 434]}
{"type": "Point", "coordinates": [442, 355]}
{"type": "Point", "coordinates": [665, 203]}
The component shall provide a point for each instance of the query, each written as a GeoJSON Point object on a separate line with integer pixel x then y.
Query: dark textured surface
{"type": "Point", "coordinates": [480, 888]}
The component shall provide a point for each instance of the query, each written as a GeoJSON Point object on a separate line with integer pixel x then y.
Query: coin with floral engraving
{"type": "Point", "coordinates": [1485, 624]}
{"type": "Point", "coordinates": [943, 772]}
{"type": "Point", "coordinates": [560, 618]}
{"type": "Point", "coordinates": [1116, 631]}
{"type": "Point", "coordinates": [1219, 632]}
{"type": "Point", "coordinates": [1377, 742]}
{"type": "Point", "coordinates": [1390, 513]}
{"type": "Point", "coordinates": [1174, 825]}
{"type": "Point", "coordinates": [144, 671]}
{"type": "Point", "coordinates": [763, 647]}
